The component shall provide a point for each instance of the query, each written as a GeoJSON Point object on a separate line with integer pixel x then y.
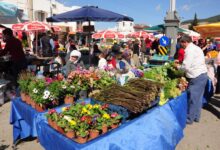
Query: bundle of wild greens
{"type": "Point", "coordinates": [136, 95]}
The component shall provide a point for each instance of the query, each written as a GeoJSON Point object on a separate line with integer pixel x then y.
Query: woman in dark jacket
{"type": "Point", "coordinates": [74, 62]}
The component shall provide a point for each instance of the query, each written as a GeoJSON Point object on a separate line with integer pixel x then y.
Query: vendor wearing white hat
{"type": "Point", "coordinates": [74, 61]}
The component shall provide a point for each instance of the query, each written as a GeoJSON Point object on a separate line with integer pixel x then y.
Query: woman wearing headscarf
{"type": "Point", "coordinates": [74, 61]}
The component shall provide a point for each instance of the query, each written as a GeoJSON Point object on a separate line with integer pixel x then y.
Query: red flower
{"type": "Point", "coordinates": [51, 111]}
{"type": "Point", "coordinates": [83, 118]}
{"type": "Point", "coordinates": [104, 106]}
{"type": "Point", "coordinates": [113, 115]}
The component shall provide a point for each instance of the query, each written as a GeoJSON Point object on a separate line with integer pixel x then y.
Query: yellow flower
{"type": "Point", "coordinates": [106, 116]}
{"type": "Point", "coordinates": [84, 110]}
{"type": "Point", "coordinates": [64, 109]}
{"type": "Point", "coordinates": [72, 122]}
{"type": "Point", "coordinates": [96, 106]}
{"type": "Point", "coordinates": [89, 106]}
{"type": "Point", "coordinates": [88, 112]}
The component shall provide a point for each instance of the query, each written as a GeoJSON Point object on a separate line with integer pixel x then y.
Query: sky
{"type": "Point", "coordinates": [151, 12]}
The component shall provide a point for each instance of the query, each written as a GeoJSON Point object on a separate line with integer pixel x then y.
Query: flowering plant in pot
{"type": "Point", "coordinates": [95, 127]}
{"type": "Point", "coordinates": [82, 131]}
{"type": "Point", "coordinates": [83, 80]}
{"type": "Point", "coordinates": [23, 81]}
{"type": "Point", "coordinates": [115, 120]}
{"type": "Point", "coordinates": [71, 126]}
{"type": "Point", "coordinates": [104, 122]}
{"type": "Point", "coordinates": [68, 91]}
{"type": "Point", "coordinates": [42, 101]}
{"type": "Point", "coordinates": [52, 117]}
{"type": "Point", "coordinates": [36, 89]}
{"type": "Point", "coordinates": [55, 91]}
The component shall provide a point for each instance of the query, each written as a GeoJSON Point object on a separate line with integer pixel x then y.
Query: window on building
{"type": "Point", "coordinates": [40, 16]}
{"type": "Point", "coordinates": [123, 24]}
{"type": "Point", "coordinates": [54, 6]}
{"type": "Point", "coordinates": [131, 24]}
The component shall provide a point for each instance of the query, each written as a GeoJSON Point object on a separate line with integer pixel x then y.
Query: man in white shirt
{"type": "Point", "coordinates": [196, 72]}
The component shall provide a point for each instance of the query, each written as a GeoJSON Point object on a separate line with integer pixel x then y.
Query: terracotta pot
{"type": "Point", "coordinates": [70, 134]}
{"type": "Point", "coordinates": [55, 126]}
{"type": "Point", "coordinates": [51, 123]}
{"type": "Point", "coordinates": [93, 134]}
{"type": "Point", "coordinates": [81, 140]}
{"type": "Point", "coordinates": [69, 99]}
{"type": "Point", "coordinates": [115, 125]}
{"type": "Point", "coordinates": [23, 96]}
{"type": "Point", "coordinates": [59, 129]}
{"type": "Point", "coordinates": [40, 108]}
{"type": "Point", "coordinates": [104, 129]}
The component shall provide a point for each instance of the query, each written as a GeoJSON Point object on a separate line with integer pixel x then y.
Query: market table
{"type": "Point", "coordinates": [23, 118]}
{"type": "Point", "coordinates": [158, 128]}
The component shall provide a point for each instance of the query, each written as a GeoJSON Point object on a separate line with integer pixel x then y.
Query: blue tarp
{"type": "Point", "coordinates": [160, 128]}
{"type": "Point", "coordinates": [22, 117]}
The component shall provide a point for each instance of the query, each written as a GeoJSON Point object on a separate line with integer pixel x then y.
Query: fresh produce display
{"type": "Point", "coordinates": [174, 73]}
{"type": "Point", "coordinates": [173, 80]}
{"type": "Point", "coordinates": [171, 90]}
{"type": "Point", "coordinates": [136, 95]}
{"type": "Point", "coordinates": [157, 74]}
{"type": "Point", "coordinates": [182, 84]}
{"type": "Point", "coordinates": [104, 80]}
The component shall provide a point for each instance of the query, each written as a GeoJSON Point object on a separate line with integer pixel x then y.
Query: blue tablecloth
{"type": "Point", "coordinates": [22, 117]}
{"type": "Point", "coordinates": [160, 128]}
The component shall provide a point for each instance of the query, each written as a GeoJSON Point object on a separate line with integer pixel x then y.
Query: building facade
{"type": "Point", "coordinates": [125, 26]}
{"type": "Point", "coordinates": [36, 10]}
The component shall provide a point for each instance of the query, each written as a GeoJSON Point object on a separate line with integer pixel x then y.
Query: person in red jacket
{"type": "Point", "coordinates": [14, 49]}
{"type": "Point", "coordinates": [181, 55]}
{"type": "Point", "coordinates": [111, 60]}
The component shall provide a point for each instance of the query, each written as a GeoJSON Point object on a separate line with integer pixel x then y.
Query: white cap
{"type": "Point", "coordinates": [76, 53]}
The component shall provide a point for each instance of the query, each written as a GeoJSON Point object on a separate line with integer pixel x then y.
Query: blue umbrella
{"type": "Point", "coordinates": [89, 13]}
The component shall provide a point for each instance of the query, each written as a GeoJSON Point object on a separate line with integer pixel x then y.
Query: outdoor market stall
{"type": "Point", "coordinates": [161, 124]}
{"type": "Point", "coordinates": [159, 128]}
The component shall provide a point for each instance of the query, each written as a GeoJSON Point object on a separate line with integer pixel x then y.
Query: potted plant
{"type": "Point", "coordinates": [23, 81]}
{"type": "Point", "coordinates": [43, 100]}
{"type": "Point", "coordinates": [115, 120]}
{"type": "Point", "coordinates": [52, 117]}
{"type": "Point", "coordinates": [61, 124]}
{"type": "Point", "coordinates": [55, 92]}
{"type": "Point", "coordinates": [95, 127]}
{"type": "Point", "coordinates": [70, 126]}
{"type": "Point", "coordinates": [36, 90]}
{"type": "Point", "coordinates": [82, 132]}
{"type": "Point", "coordinates": [69, 92]}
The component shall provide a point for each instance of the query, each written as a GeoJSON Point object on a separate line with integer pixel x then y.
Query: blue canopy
{"type": "Point", "coordinates": [89, 13]}
{"type": "Point", "coordinates": [7, 9]}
